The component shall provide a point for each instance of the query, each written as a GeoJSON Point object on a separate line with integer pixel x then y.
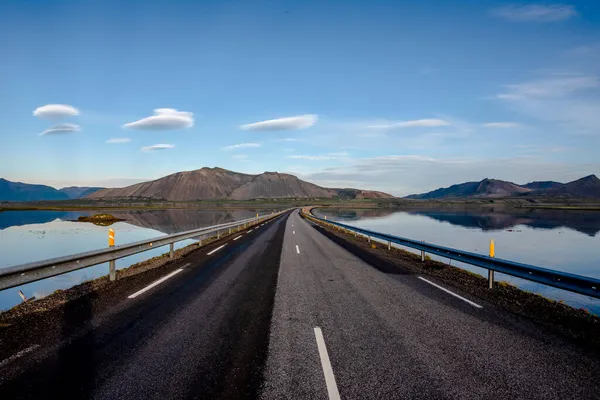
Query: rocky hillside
{"type": "Point", "coordinates": [218, 183]}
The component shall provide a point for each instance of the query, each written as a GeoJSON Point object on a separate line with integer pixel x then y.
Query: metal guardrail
{"type": "Point", "coordinates": [562, 280]}
{"type": "Point", "coordinates": [25, 273]}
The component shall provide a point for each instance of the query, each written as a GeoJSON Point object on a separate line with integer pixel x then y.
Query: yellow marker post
{"type": "Point", "coordinates": [112, 270]}
{"type": "Point", "coordinates": [111, 237]}
{"type": "Point", "coordinates": [490, 271]}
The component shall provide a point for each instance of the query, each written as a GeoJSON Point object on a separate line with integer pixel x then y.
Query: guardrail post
{"type": "Point", "coordinates": [389, 245]}
{"type": "Point", "coordinates": [422, 255]}
{"type": "Point", "coordinates": [171, 250]}
{"type": "Point", "coordinates": [491, 271]}
{"type": "Point", "coordinates": [218, 234]}
{"type": "Point", "coordinates": [230, 231]}
{"type": "Point", "coordinates": [369, 239]}
{"type": "Point", "coordinates": [200, 241]}
{"type": "Point", "coordinates": [112, 268]}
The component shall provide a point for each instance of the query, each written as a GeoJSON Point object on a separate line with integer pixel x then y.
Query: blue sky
{"type": "Point", "coordinates": [399, 96]}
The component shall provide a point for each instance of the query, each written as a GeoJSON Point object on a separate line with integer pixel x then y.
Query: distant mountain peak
{"type": "Point", "coordinates": [586, 187]}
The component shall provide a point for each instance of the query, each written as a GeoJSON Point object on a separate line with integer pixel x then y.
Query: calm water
{"type": "Point", "coordinates": [27, 236]}
{"type": "Point", "coordinates": [561, 240]}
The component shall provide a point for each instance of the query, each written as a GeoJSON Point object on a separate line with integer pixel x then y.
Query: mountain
{"type": "Point", "coordinates": [485, 188]}
{"type": "Point", "coordinates": [542, 185]}
{"type": "Point", "coordinates": [219, 183]}
{"type": "Point", "coordinates": [78, 192]}
{"type": "Point", "coordinates": [588, 187]}
{"type": "Point", "coordinates": [350, 194]}
{"type": "Point", "coordinates": [18, 191]}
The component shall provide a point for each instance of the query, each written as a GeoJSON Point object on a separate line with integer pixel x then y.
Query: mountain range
{"type": "Point", "coordinates": [19, 191]}
{"type": "Point", "coordinates": [219, 183]}
{"type": "Point", "coordinates": [201, 184]}
{"type": "Point", "coordinates": [587, 187]}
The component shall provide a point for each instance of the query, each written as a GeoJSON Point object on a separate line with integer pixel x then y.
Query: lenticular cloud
{"type": "Point", "coordinates": [164, 119]}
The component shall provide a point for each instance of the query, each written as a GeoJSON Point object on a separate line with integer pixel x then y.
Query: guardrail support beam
{"type": "Point", "coordinates": [171, 250]}
{"type": "Point", "coordinates": [112, 270]}
{"type": "Point", "coordinates": [490, 278]}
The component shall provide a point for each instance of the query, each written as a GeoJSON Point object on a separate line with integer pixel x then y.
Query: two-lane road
{"type": "Point", "coordinates": [282, 312]}
{"type": "Point", "coordinates": [395, 336]}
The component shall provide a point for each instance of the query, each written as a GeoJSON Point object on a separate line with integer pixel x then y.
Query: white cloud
{"type": "Point", "coordinates": [241, 146]}
{"type": "Point", "coordinates": [165, 119]}
{"type": "Point", "coordinates": [570, 102]}
{"type": "Point", "coordinates": [535, 12]}
{"type": "Point", "coordinates": [418, 123]}
{"type": "Point", "coordinates": [501, 125]}
{"type": "Point", "coordinates": [311, 158]}
{"type": "Point", "coordinates": [118, 140]}
{"type": "Point", "coordinates": [552, 86]}
{"type": "Point", "coordinates": [158, 147]}
{"type": "Point", "coordinates": [61, 128]}
{"type": "Point", "coordinates": [297, 122]}
{"type": "Point", "coordinates": [55, 111]}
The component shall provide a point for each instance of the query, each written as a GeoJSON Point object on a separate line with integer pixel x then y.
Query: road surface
{"type": "Point", "coordinates": [282, 312]}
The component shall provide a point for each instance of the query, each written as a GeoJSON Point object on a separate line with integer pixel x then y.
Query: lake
{"type": "Point", "coordinates": [27, 236]}
{"type": "Point", "coordinates": [557, 239]}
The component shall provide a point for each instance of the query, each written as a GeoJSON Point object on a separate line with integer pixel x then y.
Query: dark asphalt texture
{"type": "Point", "coordinates": [241, 322]}
{"type": "Point", "coordinates": [393, 336]}
{"type": "Point", "coordinates": [201, 334]}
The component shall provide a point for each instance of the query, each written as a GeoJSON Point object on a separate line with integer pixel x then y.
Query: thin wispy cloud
{"type": "Point", "coordinates": [241, 146]}
{"type": "Point", "coordinates": [319, 157]}
{"type": "Point", "coordinates": [55, 111]}
{"type": "Point", "coordinates": [118, 140]}
{"type": "Point", "coordinates": [160, 146]}
{"type": "Point", "coordinates": [535, 12]}
{"type": "Point", "coordinates": [551, 86]}
{"type": "Point", "coordinates": [164, 119]}
{"type": "Point", "coordinates": [417, 123]}
{"type": "Point", "coordinates": [280, 124]}
{"type": "Point", "coordinates": [570, 102]}
{"type": "Point", "coordinates": [406, 174]}
{"type": "Point", "coordinates": [501, 125]}
{"type": "Point", "coordinates": [61, 129]}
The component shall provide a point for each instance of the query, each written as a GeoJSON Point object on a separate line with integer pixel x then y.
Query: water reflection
{"type": "Point", "coordinates": [587, 222]}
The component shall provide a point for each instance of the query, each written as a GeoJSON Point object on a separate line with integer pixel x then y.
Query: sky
{"type": "Point", "coordinates": [398, 96]}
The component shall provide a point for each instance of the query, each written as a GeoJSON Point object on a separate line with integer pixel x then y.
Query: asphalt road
{"type": "Point", "coordinates": [395, 336]}
{"type": "Point", "coordinates": [201, 333]}
{"type": "Point", "coordinates": [282, 312]}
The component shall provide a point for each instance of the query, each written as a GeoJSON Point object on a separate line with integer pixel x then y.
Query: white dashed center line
{"type": "Point", "coordinates": [158, 282]}
{"type": "Point", "coordinates": [332, 389]}
{"type": "Point", "coordinates": [451, 293]}
{"type": "Point", "coordinates": [215, 250]}
{"type": "Point", "coordinates": [294, 232]}
{"type": "Point", "coordinates": [250, 230]}
{"type": "Point", "coordinates": [237, 237]}
{"type": "Point", "coordinates": [297, 249]}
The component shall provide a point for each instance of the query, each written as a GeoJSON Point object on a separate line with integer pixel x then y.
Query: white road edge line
{"type": "Point", "coordinates": [332, 389]}
{"type": "Point", "coordinates": [19, 354]}
{"type": "Point", "coordinates": [297, 249]}
{"type": "Point", "coordinates": [451, 293]}
{"type": "Point", "coordinates": [158, 282]}
{"type": "Point", "coordinates": [215, 250]}
{"type": "Point", "coordinates": [186, 265]}
{"type": "Point", "coordinates": [237, 237]}
{"type": "Point", "coordinates": [250, 230]}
